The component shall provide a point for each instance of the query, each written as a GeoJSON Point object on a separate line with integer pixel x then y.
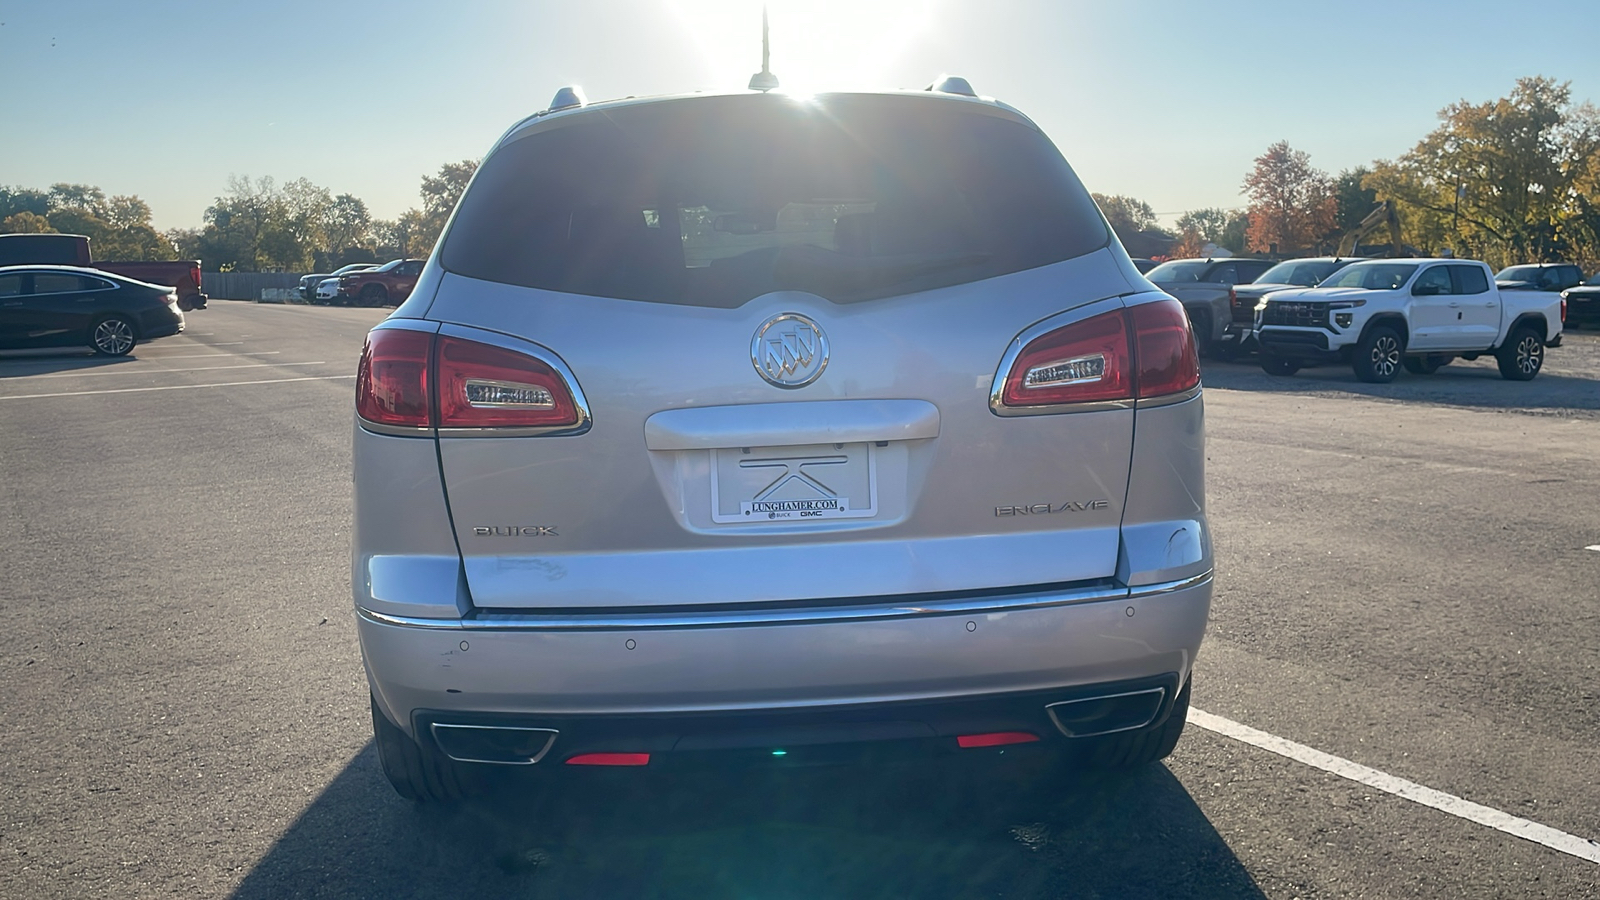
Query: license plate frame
{"type": "Point", "coordinates": [793, 485]}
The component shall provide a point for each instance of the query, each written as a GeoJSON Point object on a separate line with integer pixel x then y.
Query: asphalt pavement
{"type": "Point", "coordinates": [1403, 584]}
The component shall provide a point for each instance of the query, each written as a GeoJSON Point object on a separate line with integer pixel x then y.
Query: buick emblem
{"type": "Point", "coordinates": [789, 350]}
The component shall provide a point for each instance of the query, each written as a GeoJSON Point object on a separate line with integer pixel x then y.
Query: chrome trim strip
{"type": "Point", "coordinates": [601, 621]}
{"type": "Point", "coordinates": [1168, 399]}
{"type": "Point", "coordinates": [1051, 710]}
{"type": "Point", "coordinates": [549, 742]}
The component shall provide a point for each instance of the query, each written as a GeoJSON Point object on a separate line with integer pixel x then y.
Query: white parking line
{"type": "Point", "coordinates": [126, 371]}
{"type": "Point", "coordinates": [177, 387]}
{"type": "Point", "coordinates": [1594, 547]}
{"type": "Point", "coordinates": [1555, 839]}
{"type": "Point", "coordinates": [211, 355]}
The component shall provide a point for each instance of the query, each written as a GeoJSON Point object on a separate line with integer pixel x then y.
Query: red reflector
{"type": "Point", "coordinates": [481, 386]}
{"type": "Point", "coordinates": [1079, 363]}
{"type": "Point", "coordinates": [610, 759]}
{"type": "Point", "coordinates": [996, 739]}
{"type": "Point", "coordinates": [1164, 347]}
{"type": "Point", "coordinates": [392, 381]}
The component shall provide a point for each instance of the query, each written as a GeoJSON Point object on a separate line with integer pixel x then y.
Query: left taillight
{"type": "Point", "coordinates": [194, 276]}
{"type": "Point", "coordinates": [392, 382]}
{"type": "Point", "coordinates": [418, 380]}
{"type": "Point", "coordinates": [1138, 352]}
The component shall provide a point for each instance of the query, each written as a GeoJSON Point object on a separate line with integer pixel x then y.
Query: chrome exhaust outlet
{"type": "Point", "coordinates": [1107, 714]}
{"type": "Point", "coordinates": [499, 745]}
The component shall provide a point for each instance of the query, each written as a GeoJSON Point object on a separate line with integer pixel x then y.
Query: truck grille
{"type": "Point", "coordinates": [1299, 315]}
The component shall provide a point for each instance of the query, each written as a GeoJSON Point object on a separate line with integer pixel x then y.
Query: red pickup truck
{"type": "Point", "coordinates": [387, 285]}
{"type": "Point", "coordinates": [73, 250]}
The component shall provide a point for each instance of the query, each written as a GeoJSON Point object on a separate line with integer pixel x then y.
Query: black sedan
{"type": "Point", "coordinates": [1583, 303]}
{"type": "Point", "coordinates": [67, 306]}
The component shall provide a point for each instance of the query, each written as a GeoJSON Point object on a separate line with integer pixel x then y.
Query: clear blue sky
{"type": "Point", "coordinates": [1168, 101]}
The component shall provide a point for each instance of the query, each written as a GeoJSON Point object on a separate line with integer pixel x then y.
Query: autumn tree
{"type": "Point", "coordinates": [1510, 180]}
{"type": "Point", "coordinates": [1208, 224]}
{"type": "Point", "coordinates": [1127, 215]}
{"type": "Point", "coordinates": [1292, 204]}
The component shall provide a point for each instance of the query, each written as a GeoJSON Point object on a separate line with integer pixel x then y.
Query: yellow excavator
{"type": "Point", "coordinates": [1381, 215]}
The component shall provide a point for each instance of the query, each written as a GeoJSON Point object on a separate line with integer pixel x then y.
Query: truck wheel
{"type": "Point", "coordinates": [1132, 749]}
{"type": "Point", "coordinates": [374, 295]}
{"type": "Point", "coordinates": [1522, 355]}
{"type": "Point", "coordinates": [112, 336]}
{"type": "Point", "coordinates": [1378, 355]}
{"type": "Point", "coordinates": [1277, 365]}
{"type": "Point", "coordinates": [419, 773]}
{"type": "Point", "coordinates": [1200, 323]}
{"type": "Point", "coordinates": [1426, 365]}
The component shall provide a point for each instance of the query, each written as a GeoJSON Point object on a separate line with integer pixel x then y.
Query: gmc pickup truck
{"type": "Point", "coordinates": [73, 250]}
{"type": "Point", "coordinates": [1382, 314]}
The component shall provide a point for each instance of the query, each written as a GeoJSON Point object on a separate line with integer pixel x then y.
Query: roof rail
{"type": "Point", "coordinates": [567, 98]}
{"type": "Point", "coordinates": [952, 84]}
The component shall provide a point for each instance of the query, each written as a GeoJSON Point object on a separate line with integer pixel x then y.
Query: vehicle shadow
{"type": "Point", "coordinates": [929, 829]}
{"type": "Point", "coordinates": [22, 363]}
{"type": "Point", "coordinates": [1477, 384]}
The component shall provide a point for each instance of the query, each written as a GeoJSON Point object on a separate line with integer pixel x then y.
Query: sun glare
{"type": "Point", "coordinates": [817, 45]}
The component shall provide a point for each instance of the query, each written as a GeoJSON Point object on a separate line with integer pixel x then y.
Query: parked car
{"type": "Point", "coordinates": [71, 306]}
{"type": "Point", "coordinates": [1291, 273]}
{"type": "Point", "coordinates": [388, 284]}
{"type": "Point", "coordinates": [1581, 304]}
{"type": "Point", "coordinates": [1144, 265]}
{"type": "Point", "coordinates": [697, 375]}
{"type": "Point", "coordinates": [73, 250]}
{"type": "Point", "coordinates": [1201, 285]}
{"type": "Point", "coordinates": [327, 291]}
{"type": "Point", "coordinates": [308, 283]}
{"type": "Point", "coordinates": [1550, 277]}
{"type": "Point", "coordinates": [1378, 315]}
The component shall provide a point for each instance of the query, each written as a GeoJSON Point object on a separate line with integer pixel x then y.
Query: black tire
{"type": "Point", "coordinates": [1277, 365]}
{"type": "Point", "coordinates": [1378, 355]}
{"type": "Point", "coordinates": [1426, 365]}
{"type": "Point", "coordinates": [1200, 323]}
{"type": "Point", "coordinates": [113, 336]}
{"type": "Point", "coordinates": [1132, 749]}
{"type": "Point", "coordinates": [417, 773]}
{"type": "Point", "coordinates": [1522, 355]}
{"type": "Point", "coordinates": [1227, 351]}
{"type": "Point", "coordinates": [374, 295]}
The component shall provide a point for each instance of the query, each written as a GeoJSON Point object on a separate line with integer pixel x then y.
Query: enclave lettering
{"type": "Point", "coordinates": [1043, 509]}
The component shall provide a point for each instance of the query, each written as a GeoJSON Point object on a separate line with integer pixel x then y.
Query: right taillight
{"type": "Point", "coordinates": [1138, 352]}
{"type": "Point", "coordinates": [418, 380]}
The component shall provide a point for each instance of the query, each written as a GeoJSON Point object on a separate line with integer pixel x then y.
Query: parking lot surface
{"type": "Point", "coordinates": [1403, 584]}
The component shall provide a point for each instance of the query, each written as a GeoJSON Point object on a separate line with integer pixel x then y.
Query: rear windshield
{"type": "Point", "coordinates": [714, 201]}
{"type": "Point", "coordinates": [1306, 273]}
{"type": "Point", "coordinates": [1177, 272]}
{"type": "Point", "coordinates": [1371, 276]}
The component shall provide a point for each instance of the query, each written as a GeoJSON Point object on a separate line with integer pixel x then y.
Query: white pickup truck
{"type": "Point", "coordinates": [1382, 314]}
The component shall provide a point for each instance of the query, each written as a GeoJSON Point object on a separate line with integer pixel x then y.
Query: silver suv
{"type": "Point", "coordinates": [776, 429]}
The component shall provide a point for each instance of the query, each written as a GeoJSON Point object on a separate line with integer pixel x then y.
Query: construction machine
{"type": "Point", "coordinates": [1382, 214]}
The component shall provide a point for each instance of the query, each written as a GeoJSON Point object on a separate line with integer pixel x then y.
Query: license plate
{"type": "Point", "coordinates": [808, 483]}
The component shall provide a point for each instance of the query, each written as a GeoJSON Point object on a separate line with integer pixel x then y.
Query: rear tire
{"type": "Point", "coordinates": [374, 295]}
{"type": "Point", "coordinates": [1522, 356]}
{"type": "Point", "coordinates": [113, 336]}
{"type": "Point", "coordinates": [1277, 365]}
{"type": "Point", "coordinates": [418, 773]}
{"type": "Point", "coordinates": [1132, 749]}
{"type": "Point", "coordinates": [1378, 355]}
{"type": "Point", "coordinates": [1200, 324]}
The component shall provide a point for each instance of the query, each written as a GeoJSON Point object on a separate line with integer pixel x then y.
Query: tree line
{"type": "Point", "coordinates": [1508, 181]}
{"type": "Point", "coordinates": [256, 225]}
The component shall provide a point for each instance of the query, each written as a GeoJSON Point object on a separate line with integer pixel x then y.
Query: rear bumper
{"type": "Point", "coordinates": [608, 677]}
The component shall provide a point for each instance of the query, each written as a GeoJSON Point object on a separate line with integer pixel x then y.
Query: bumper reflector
{"type": "Point", "coordinates": [610, 759]}
{"type": "Point", "coordinates": [995, 739]}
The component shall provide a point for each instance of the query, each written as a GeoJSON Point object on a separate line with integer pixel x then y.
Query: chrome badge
{"type": "Point", "coordinates": [789, 350]}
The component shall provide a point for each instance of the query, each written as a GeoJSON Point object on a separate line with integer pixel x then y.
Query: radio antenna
{"type": "Point", "coordinates": [764, 80]}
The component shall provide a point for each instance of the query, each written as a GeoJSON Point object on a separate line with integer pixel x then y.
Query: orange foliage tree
{"type": "Point", "coordinates": [1292, 204]}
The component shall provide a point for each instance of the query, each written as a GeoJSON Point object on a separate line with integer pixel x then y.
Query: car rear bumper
{"type": "Point", "coordinates": [545, 672]}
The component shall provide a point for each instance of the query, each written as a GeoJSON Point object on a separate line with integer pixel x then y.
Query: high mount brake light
{"type": "Point", "coordinates": [413, 379]}
{"type": "Point", "coordinates": [1139, 352]}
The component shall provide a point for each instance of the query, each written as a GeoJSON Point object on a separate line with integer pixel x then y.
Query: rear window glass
{"type": "Point", "coordinates": [714, 201]}
{"type": "Point", "coordinates": [1470, 280]}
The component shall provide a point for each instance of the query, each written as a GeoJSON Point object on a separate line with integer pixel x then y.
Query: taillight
{"type": "Point", "coordinates": [194, 276]}
{"type": "Point", "coordinates": [481, 386]}
{"type": "Point", "coordinates": [1233, 299]}
{"type": "Point", "coordinates": [1164, 348]}
{"type": "Point", "coordinates": [392, 382]}
{"type": "Point", "coordinates": [1563, 307]}
{"type": "Point", "coordinates": [1083, 362]}
{"type": "Point", "coordinates": [1138, 352]}
{"type": "Point", "coordinates": [414, 379]}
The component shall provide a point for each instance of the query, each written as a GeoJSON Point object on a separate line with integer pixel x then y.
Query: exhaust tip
{"type": "Point", "coordinates": [1107, 714]}
{"type": "Point", "coordinates": [498, 745]}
